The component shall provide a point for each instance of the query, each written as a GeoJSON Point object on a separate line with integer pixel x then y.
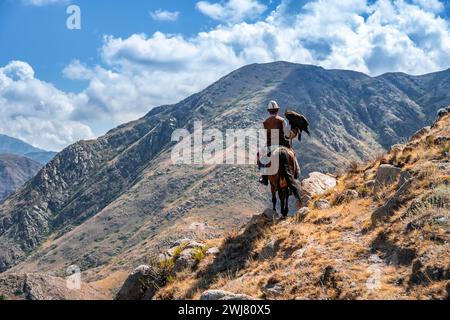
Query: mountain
{"type": "Point", "coordinates": [381, 233]}
{"type": "Point", "coordinates": [14, 172]}
{"type": "Point", "coordinates": [106, 204]}
{"type": "Point", "coordinates": [43, 157]}
{"type": "Point", "coordinates": [9, 145]}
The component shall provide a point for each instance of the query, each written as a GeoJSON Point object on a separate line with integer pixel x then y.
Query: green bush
{"type": "Point", "coordinates": [199, 253]}
{"type": "Point", "coordinates": [18, 293]}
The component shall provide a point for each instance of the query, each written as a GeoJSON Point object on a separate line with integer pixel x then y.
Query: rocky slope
{"type": "Point", "coordinates": [44, 287]}
{"type": "Point", "coordinates": [105, 204]}
{"type": "Point", "coordinates": [381, 233]}
{"type": "Point", "coordinates": [14, 172]}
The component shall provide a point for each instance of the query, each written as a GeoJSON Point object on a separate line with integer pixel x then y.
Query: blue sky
{"type": "Point", "coordinates": [59, 85]}
{"type": "Point", "coordinates": [38, 34]}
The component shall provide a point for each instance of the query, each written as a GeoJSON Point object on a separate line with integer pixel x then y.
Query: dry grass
{"type": "Point", "coordinates": [337, 253]}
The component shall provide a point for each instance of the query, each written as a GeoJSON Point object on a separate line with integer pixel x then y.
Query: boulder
{"type": "Point", "coordinates": [370, 184]}
{"type": "Point", "coordinates": [443, 112]}
{"type": "Point", "coordinates": [322, 204]}
{"type": "Point", "coordinates": [134, 286]}
{"type": "Point", "coordinates": [270, 214]}
{"type": "Point", "coordinates": [224, 295]}
{"type": "Point", "coordinates": [387, 209]}
{"type": "Point", "coordinates": [351, 194]}
{"type": "Point", "coordinates": [387, 174]}
{"type": "Point", "coordinates": [213, 251]}
{"type": "Point", "coordinates": [184, 261]}
{"type": "Point", "coordinates": [186, 243]}
{"type": "Point", "coordinates": [317, 184]}
{"type": "Point", "coordinates": [273, 290]}
{"type": "Point", "coordinates": [302, 214]}
{"type": "Point", "coordinates": [270, 250]}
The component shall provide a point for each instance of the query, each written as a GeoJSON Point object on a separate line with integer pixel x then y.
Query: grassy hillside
{"type": "Point", "coordinates": [388, 241]}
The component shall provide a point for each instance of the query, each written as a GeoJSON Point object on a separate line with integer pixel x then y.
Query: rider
{"type": "Point", "coordinates": [276, 125]}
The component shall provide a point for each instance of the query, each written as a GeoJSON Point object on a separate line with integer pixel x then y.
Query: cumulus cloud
{"type": "Point", "coordinates": [36, 111]}
{"type": "Point", "coordinates": [233, 10]}
{"type": "Point", "coordinates": [164, 15]}
{"type": "Point", "coordinates": [77, 71]}
{"type": "Point", "coordinates": [144, 71]}
{"type": "Point", "coordinates": [432, 5]}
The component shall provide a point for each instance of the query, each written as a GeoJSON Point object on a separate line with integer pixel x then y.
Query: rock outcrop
{"type": "Point", "coordinates": [224, 295]}
{"type": "Point", "coordinates": [386, 174]}
{"type": "Point", "coordinates": [135, 285]}
{"type": "Point", "coordinates": [316, 184]}
{"type": "Point", "coordinates": [45, 287]}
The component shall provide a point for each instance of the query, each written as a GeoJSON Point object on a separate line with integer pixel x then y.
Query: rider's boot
{"type": "Point", "coordinates": [264, 180]}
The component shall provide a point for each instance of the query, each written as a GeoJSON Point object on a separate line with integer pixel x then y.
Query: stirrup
{"type": "Point", "coordinates": [264, 181]}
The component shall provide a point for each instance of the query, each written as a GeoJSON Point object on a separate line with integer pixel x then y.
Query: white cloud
{"type": "Point", "coordinates": [233, 10]}
{"type": "Point", "coordinates": [432, 5]}
{"type": "Point", "coordinates": [77, 71]}
{"type": "Point", "coordinates": [144, 71]}
{"type": "Point", "coordinates": [36, 111]}
{"type": "Point", "coordinates": [18, 70]}
{"type": "Point", "coordinates": [164, 15]}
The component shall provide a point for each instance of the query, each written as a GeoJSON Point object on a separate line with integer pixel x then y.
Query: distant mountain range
{"type": "Point", "coordinates": [19, 162]}
{"type": "Point", "coordinates": [119, 197]}
{"type": "Point", "coordinates": [14, 172]}
{"type": "Point", "coordinates": [9, 145]}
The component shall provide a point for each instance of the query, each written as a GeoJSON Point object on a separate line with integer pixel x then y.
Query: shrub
{"type": "Point", "coordinates": [18, 293]}
{"type": "Point", "coordinates": [353, 167]}
{"type": "Point", "coordinates": [199, 253]}
{"type": "Point", "coordinates": [429, 141]}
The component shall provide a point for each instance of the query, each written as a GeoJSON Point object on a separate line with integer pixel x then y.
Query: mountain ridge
{"type": "Point", "coordinates": [352, 115]}
{"type": "Point", "coordinates": [10, 145]}
{"type": "Point", "coordinates": [14, 172]}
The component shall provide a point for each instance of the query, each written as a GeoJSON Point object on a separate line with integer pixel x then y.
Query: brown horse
{"type": "Point", "coordinates": [278, 182]}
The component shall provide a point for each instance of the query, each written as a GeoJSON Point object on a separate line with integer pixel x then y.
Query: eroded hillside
{"type": "Point", "coordinates": [381, 233]}
{"type": "Point", "coordinates": [105, 204]}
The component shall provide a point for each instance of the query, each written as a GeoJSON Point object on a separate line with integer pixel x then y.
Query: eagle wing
{"type": "Point", "coordinates": [298, 121]}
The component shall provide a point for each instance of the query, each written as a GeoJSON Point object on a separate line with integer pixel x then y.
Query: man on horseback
{"type": "Point", "coordinates": [278, 128]}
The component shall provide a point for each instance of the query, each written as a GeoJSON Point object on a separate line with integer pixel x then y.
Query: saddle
{"type": "Point", "coordinates": [293, 162]}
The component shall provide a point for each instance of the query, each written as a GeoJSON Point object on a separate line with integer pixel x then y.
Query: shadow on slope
{"type": "Point", "coordinates": [234, 254]}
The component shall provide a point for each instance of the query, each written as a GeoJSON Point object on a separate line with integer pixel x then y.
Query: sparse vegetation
{"type": "Point", "coordinates": [18, 293]}
{"type": "Point", "coordinates": [338, 253]}
{"type": "Point", "coordinates": [199, 254]}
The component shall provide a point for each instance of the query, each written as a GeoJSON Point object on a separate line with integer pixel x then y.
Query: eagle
{"type": "Point", "coordinates": [298, 124]}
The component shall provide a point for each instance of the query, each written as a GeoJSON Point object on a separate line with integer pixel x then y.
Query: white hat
{"type": "Point", "coordinates": [273, 105]}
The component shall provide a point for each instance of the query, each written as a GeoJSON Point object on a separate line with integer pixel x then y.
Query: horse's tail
{"type": "Point", "coordinates": [287, 169]}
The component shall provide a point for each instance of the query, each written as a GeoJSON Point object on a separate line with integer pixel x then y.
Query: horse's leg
{"type": "Point", "coordinates": [286, 201]}
{"type": "Point", "coordinates": [282, 196]}
{"type": "Point", "coordinates": [274, 197]}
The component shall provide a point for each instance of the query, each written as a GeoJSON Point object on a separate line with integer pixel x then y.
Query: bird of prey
{"type": "Point", "coordinates": [298, 124]}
